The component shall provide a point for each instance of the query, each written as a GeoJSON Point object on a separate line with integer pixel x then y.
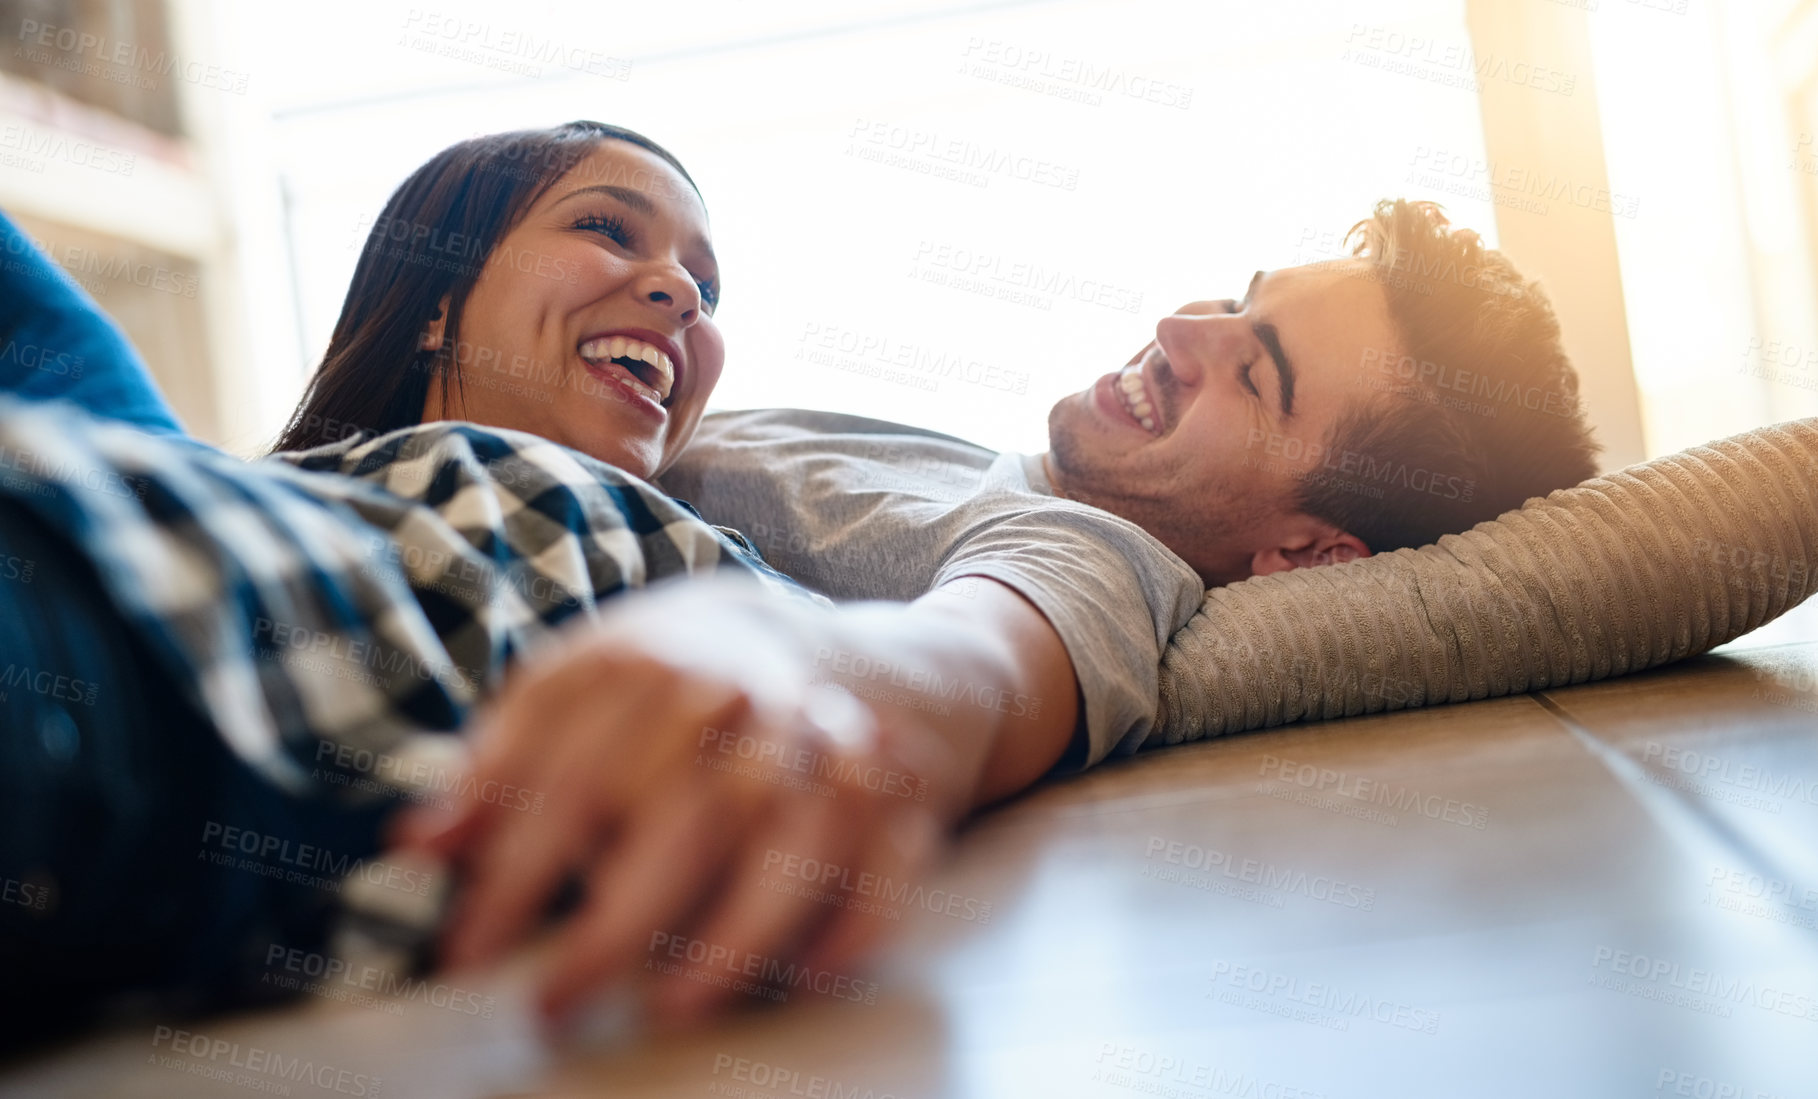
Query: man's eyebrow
{"type": "Point", "coordinates": [637, 200]}
{"type": "Point", "coordinates": [1270, 338]}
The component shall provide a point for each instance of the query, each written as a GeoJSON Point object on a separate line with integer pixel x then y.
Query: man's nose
{"type": "Point", "coordinates": [1191, 342]}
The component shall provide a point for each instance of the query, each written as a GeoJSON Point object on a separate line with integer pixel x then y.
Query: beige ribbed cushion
{"type": "Point", "coordinates": [1653, 564]}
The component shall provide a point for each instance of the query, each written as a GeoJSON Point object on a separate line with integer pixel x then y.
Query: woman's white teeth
{"type": "Point", "coordinates": [1130, 388]}
{"type": "Point", "coordinates": [628, 351]}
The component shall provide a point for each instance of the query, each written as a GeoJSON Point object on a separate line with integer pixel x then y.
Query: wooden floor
{"type": "Point", "coordinates": [1603, 891]}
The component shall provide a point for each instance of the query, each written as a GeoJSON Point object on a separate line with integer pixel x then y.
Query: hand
{"type": "Point", "coordinates": [686, 757]}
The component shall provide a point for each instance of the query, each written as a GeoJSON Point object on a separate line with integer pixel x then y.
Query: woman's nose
{"type": "Point", "coordinates": [672, 290]}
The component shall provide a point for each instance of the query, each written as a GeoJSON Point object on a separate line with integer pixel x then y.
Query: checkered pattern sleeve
{"type": "Point", "coordinates": [504, 535]}
{"type": "Point", "coordinates": [257, 597]}
{"type": "Point", "coordinates": [364, 594]}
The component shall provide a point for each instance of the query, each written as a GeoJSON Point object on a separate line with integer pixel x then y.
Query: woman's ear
{"type": "Point", "coordinates": [431, 337]}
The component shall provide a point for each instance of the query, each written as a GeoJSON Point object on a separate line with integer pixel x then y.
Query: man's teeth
{"type": "Point", "coordinates": [1130, 388]}
{"type": "Point", "coordinates": [630, 351]}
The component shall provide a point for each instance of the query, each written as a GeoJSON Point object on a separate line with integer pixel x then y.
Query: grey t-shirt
{"type": "Point", "coordinates": [863, 509]}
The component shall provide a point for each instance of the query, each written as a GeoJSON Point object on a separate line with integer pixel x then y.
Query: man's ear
{"type": "Point", "coordinates": [431, 337]}
{"type": "Point", "coordinates": [1312, 544]}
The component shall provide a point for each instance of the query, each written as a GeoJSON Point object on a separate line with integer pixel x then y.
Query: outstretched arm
{"type": "Point", "coordinates": [693, 740]}
{"type": "Point", "coordinates": [979, 667]}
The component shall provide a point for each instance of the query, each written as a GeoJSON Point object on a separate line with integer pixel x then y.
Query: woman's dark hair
{"type": "Point", "coordinates": [431, 241]}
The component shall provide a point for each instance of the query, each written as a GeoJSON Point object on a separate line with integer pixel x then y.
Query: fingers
{"type": "Point", "coordinates": [418, 826]}
{"type": "Point", "coordinates": [642, 889]}
{"type": "Point", "coordinates": [899, 852]}
{"type": "Point", "coordinates": [602, 681]}
{"type": "Point", "coordinates": [622, 721]}
{"type": "Point", "coordinates": [506, 741]}
{"type": "Point", "coordinates": [510, 884]}
{"type": "Point", "coordinates": [518, 859]}
{"type": "Point", "coordinates": [762, 913]}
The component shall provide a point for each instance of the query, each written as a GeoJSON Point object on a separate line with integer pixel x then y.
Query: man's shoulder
{"type": "Point", "coordinates": [780, 424]}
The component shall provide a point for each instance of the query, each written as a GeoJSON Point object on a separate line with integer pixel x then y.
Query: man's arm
{"type": "Point", "coordinates": [974, 666]}
{"type": "Point", "coordinates": [687, 740]}
{"type": "Point", "coordinates": [861, 509]}
{"type": "Point", "coordinates": [1029, 668]}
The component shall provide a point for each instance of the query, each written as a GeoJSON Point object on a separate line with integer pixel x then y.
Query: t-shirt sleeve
{"type": "Point", "coordinates": [893, 515]}
{"type": "Point", "coordinates": [1113, 594]}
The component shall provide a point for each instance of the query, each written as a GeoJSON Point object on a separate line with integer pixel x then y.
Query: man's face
{"type": "Point", "coordinates": [1228, 390]}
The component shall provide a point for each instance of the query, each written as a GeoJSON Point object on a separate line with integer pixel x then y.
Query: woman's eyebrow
{"type": "Point", "coordinates": [637, 200]}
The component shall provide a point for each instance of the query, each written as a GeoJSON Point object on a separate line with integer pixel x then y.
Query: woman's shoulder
{"type": "Point", "coordinates": [522, 495]}
{"type": "Point", "coordinates": [411, 459]}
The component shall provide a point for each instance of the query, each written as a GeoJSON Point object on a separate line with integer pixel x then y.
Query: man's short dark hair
{"type": "Point", "coordinates": [1475, 411]}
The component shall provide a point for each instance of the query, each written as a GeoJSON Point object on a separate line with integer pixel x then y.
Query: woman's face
{"type": "Point", "coordinates": [591, 323]}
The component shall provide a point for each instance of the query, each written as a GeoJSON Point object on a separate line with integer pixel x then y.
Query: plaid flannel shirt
{"type": "Point", "coordinates": [359, 594]}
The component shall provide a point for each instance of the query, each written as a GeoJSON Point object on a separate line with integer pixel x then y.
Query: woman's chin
{"type": "Point", "coordinates": [641, 457]}
{"type": "Point", "coordinates": [679, 435]}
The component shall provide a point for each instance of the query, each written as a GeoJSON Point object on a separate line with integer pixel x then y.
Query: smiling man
{"type": "Point", "coordinates": [1334, 411]}
{"type": "Point", "coordinates": [1190, 440]}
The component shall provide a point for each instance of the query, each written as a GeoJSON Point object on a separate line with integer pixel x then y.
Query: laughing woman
{"type": "Point", "coordinates": [437, 549]}
{"type": "Point", "coordinates": [559, 282]}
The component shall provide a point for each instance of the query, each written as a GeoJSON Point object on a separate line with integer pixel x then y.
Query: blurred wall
{"type": "Point", "coordinates": [129, 150]}
{"type": "Point", "coordinates": [1124, 157]}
